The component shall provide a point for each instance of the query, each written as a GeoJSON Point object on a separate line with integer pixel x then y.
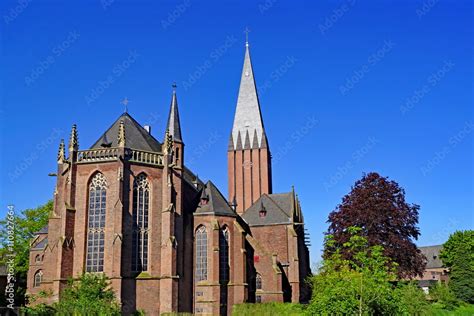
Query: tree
{"type": "Point", "coordinates": [363, 285]}
{"type": "Point", "coordinates": [26, 224]}
{"type": "Point", "coordinates": [358, 286]}
{"type": "Point", "coordinates": [377, 205]}
{"type": "Point", "coordinates": [458, 255]}
{"type": "Point", "coordinates": [91, 294]}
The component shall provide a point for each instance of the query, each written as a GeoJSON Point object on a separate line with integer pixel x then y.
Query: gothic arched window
{"type": "Point", "coordinates": [258, 282]}
{"type": "Point", "coordinates": [224, 255]}
{"type": "Point", "coordinates": [38, 278]}
{"type": "Point", "coordinates": [141, 202]}
{"type": "Point", "coordinates": [201, 254]}
{"type": "Point", "coordinates": [96, 223]}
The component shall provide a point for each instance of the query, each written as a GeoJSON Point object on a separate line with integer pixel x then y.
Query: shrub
{"type": "Point", "coordinates": [443, 297]}
{"type": "Point", "coordinates": [411, 299]}
{"type": "Point", "coordinates": [267, 309]}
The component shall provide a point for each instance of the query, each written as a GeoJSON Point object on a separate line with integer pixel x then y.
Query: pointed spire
{"type": "Point", "coordinates": [239, 142]}
{"type": "Point", "coordinates": [174, 125]}
{"type": "Point", "coordinates": [121, 135]}
{"type": "Point", "coordinates": [73, 139]}
{"type": "Point", "coordinates": [255, 139]}
{"type": "Point", "coordinates": [204, 196]}
{"type": "Point", "coordinates": [247, 140]}
{"type": "Point", "coordinates": [61, 152]}
{"type": "Point", "coordinates": [248, 116]}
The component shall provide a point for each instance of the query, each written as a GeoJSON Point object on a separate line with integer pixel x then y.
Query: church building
{"type": "Point", "coordinates": [128, 207]}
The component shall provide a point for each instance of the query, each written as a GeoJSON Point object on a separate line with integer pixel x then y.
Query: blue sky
{"type": "Point", "coordinates": [345, 88]}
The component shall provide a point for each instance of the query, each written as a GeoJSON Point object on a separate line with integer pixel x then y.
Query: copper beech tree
{"type": "Point", "coordinates": [377, 205]}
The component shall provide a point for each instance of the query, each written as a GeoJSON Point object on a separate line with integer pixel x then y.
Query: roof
{"type": "Point", "coordinates": [174, 127]}
{"type": "Point", "coordinates": [136, 136]}
{"type": "Point", "coordinates": [427, 283]}
{"type": "Point", "coordinates": [279, 210]}
{"type": "Point", "coordinates": [41, 244]}
{"type": "Point", "coordinates": [432, 255]}
{"type": "Point", "coordinates": [217, 204]}
{"type": "Point", "coordinates": [248, 124]}
{"type": "Point", "coordinates": [43, 230]}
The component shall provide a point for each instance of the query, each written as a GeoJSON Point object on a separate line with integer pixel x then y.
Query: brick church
{"type": "Point", "coordinates": [129, 207]}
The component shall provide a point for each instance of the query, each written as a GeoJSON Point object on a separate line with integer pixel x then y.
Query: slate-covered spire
{"type": "Point", "coordinates": [248, 118]}
{"type": "Point", "coordinates": [174, 126]}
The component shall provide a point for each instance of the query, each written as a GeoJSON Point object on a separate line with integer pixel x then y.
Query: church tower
{"type": "Point", "coordinates": [248, 155]}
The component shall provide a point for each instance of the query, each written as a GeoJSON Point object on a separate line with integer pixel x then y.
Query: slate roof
{"type": "Point", "coordinates": [41, 244]}
{"type": "Point", "coordinates": [43, 230]}
{"type": "Point", "coordinates": [217, 203]}
{"type": "Point", "coordinates": [136, 137]}
{"type": "Point", "coordinates": [279, 209]}
{"type": "Point", "coordinates": [174, 126]}
{"type": "Point", "coordinates": [248, 124]}
{"type": "Point", "coordinates": [432, 255]}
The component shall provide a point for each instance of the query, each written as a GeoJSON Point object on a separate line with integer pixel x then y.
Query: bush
{"type": "Point", "coordinates": [267, 309]}
{"type": "Point", "coordinates": [411, 300]}
{"type": "Point", "coordinates": [443, 297]}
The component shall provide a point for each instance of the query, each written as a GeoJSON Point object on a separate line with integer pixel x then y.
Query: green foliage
{"type": "Point", "coordinates": [458, 256]}
{"type": "Point", "coordinates": [362, 285]}
{"type": "Point", "coordinates": [411, 299]}
{"type": "Point", "coordinates": [443, 297]}
{"type": "Point", "coordinates": [25, 225]}
{"type": "Point", "coordinates": [39, 310]}
{"type": "Point", "coordinates": [357, 286]}
{"type": "Point", "coordinates": [90, 295]}
{"type": "Point", "coordinates": [466, 310]}
{"type": "Point", "coordinates": [267, 309]}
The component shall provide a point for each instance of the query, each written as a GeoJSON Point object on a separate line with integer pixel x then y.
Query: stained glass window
{"type": "Point", "coordinates": [201, 254]}
{"type": "Point", "coordinates": [96, 224]}
{"type": "Point", "coordinates": [141, 201]}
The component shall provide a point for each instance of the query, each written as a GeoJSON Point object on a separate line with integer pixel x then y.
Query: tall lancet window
{"type": "Point", "coordinates": [96, 223]}
{"type": "Point", "coordinates": [223, 267]}
{"type": "Point", "coordinates": [224, 255]}
{"type": "Point", "coordinates": [141, 201]}
{"type": "Point", "coordinates": [201, 254]}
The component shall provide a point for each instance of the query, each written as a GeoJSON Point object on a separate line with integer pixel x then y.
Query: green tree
{"type": "Point", "coordinates": [359, 286]}
{"type": "Point", "coordinates": [458, 256]}
{"type": "Point", "coordinates": [26, 224]}
{"type": "Point", "coordinates": [91, 294]}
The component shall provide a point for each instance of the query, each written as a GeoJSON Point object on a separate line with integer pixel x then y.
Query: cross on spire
{"type": "Point", "coordinates": [125, 102]}
{"type": "Point", "coordinates": [247, 31]}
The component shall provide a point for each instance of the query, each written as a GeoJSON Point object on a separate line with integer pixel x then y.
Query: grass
{"type": "Point", "coordinates": [467, 310]}
{"type": "Point", "coordinates": [267, 309]}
